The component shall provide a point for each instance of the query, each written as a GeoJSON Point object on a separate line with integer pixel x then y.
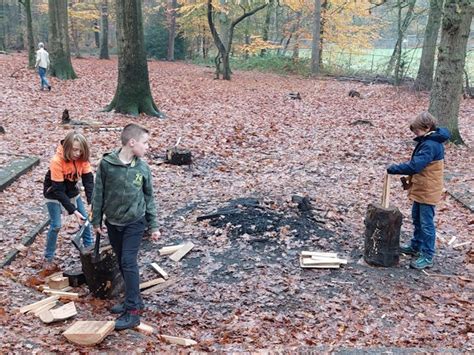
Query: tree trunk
{"type": "Point", "coordinates": [382, 235]}
{"type": "Point", "coordinates": [315, 43]}
{"type": "Point", "coordinates": [424, 78]}
{"type": "Point", "coordinates": [447, 87]}
{"type": "Point", "coordinates": [224, 48]}
{"type": "Point", "coordinates": [104, 30]}
{"type": "Point", "coordinates": [172, 28]}
{"type": "Point", "coordinates": [96, 34]}
{"type": "Point", "coordinates": [60, 57]}
{"type": "Point", "coordinates": [3, 46]}
{"type": "Point", "coordinates": [29, 34]}
{"type": "Point", "coordinates": [266, 26]}
{"type": "Point", "coordinates": [20, 43]}
{"type": "Point", "coordinates": [133, 94]}
{"type": "Point", "coordinates": [395, 59]}
{"type": "Point", "coordinates": [296, 47]}
{"type": "Point", "coordinates": [74, 33]}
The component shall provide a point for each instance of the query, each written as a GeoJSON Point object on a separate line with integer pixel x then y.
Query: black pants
{"type": "Point", "coordinates": [125, 241]}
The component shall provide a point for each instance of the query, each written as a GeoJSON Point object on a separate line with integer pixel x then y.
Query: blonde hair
{"type": "Point", "coordinates": [132, 131]}
{"type": "Point", "coordinates": [69, 141]}
{"type": "Point", "coordinates": [424, 120]}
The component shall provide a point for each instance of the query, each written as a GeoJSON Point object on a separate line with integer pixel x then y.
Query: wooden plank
{"type": "Point", "coordinates": [145, 328]}
{"type": "Point", "coordinates": [170, 249]}
{"type": "Point", "coordinates": [179, 254]}
{"type": "Point", "coordinates": [43, 307]}
{"type": "Point", "coordinates": [159, 287]}
{"type": "Point", "coordinates": [177, 340]}
{"type": "Point", "coordinates": [52, 276]}
{"type": "Point", "coordinates": [318, 266]}
{"type": "Point", "coordinates": [61, 313]}
{"type": "Point", "coordinates": [89, 332]}
{"type": "Point", "coordinates": [386, 191]}
{"type": "Point", "coordinates": [313, 261]}
{"type": "Point", "coordinates": [58, 282]}
{"type": "Point", "coordinates": [150, 283]}
{"type": "Point", "coordinates": [318, 253]}
{"type": "Point", "coordinates": [38, 304]}
{"type": "Point", "coordinates": [159, 270]}
{"type": "Point", "coordinates": [62, 294]}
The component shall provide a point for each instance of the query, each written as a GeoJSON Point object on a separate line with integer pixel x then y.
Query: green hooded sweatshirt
{"type": "Point", "coordinates": [123, 193]}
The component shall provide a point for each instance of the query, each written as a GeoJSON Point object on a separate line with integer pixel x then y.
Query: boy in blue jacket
{"type": "Point", "coordinates": [124, 194]}
{"type": "Point", "coordinates": [425, 186]}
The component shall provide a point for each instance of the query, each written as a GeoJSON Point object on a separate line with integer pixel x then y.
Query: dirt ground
{"type": "Point", "coordinates": [241, 288]}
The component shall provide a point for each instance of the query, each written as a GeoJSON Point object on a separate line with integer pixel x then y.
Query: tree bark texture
{"type": "Point", "coordinates": [424, 78]}
{"type": "Point", "coordinates": [172, 5]}
{"type": "Point", "coordinates": [104, 30]}
{"type": "Point", "coordinates": [133, 93]}
{"type": "Point", "coordinates": [103, 277]}
{"type": "Point", "coordinates": [382, 235]}
{"type": "Point", "coordinates": [29, 33]}
{"type": "Point", "coordinates": [316, 41]}
{"type": "Point", "coordinates": [20, 43]}
{"type": "Point", "coordinates": [60, 57]}
{"type": "Point", "coordinates": [447, 86]}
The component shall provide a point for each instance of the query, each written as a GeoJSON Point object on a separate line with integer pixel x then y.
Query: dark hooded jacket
{"type": "Point", "coordinates": [123, 192]}
{"type": "Point", "coordinates": [426, 167]}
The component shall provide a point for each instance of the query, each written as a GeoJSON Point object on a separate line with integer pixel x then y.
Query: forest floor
{"type": "Point", "coordinates": [241, 288]}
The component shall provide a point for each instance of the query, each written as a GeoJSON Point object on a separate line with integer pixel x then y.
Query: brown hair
{"type": "Point", "coordinates": [424, 120]}
{"type": "Point", "coordinates": [132, 131]}
{"type": "Point", "coordinates": [69, 141]}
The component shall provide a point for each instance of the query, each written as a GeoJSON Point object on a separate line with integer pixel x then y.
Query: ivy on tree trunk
{"type": "Point", "coordinates": [133, 94]}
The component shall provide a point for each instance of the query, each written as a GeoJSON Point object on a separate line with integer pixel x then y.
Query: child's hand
{"type": "Point", "coordinates": [98, 229]}
{"type": "Point", "coordinates": [155, 236]}
{"type": "Point", "coordinates": [80, 218]}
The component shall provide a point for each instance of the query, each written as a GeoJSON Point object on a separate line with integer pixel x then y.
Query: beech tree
{"type": "Point", "coordinates": [424, 78]}
{"type": "Point", "coordinates": [60, 56]}
{"type": "Point", "coordinates": [104, 30]}
{"type": "Point", "coordinates": [133, 94]}
{"type": "Point", "coordinates": [447, 87]}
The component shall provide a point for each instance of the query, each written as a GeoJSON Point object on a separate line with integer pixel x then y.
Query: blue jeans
{"type": "Point", "coordinates": [42, 74]}
{"type": "Point", "coordinates": [54, 210]}
{"type": "Point", "coordinates": [125, 241]}
{"type": "Point", "coordinates": [424, 234]}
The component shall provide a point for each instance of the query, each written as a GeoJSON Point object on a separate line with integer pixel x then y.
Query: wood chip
{"type": "Point", "coordinates": [159, 270]}
{"type": "Point", "coordinates": [170, 249]}
{"type": "Point", "coordinates": [89, 332]}
{"type": "Point", "coordinates": [177, 340]}
{"type": "Point", "coordinates": [150, 283]}
{"type": "Point", "coordinates": [180, 253]}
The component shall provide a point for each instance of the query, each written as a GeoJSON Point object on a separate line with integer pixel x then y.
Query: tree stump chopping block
{"type": "Point", "coordinates": [103, 276]}
{"type": "Point", "coordinates": [382, 235]}
{"type": "Point", "coordinates": [177, 156]}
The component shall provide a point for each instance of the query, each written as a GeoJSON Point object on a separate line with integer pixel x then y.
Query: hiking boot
{"type": "Point", "coordinates": [409, 250]}
{"type": "Point", "coordinates": [129, 319]}
{"type": "Point", "coordinates": [421, 263]}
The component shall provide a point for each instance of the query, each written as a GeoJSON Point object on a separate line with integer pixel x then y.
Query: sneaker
{"type": "Point", "coordinates": [421, 263]}
{"type": "Point", "coordinates": [409, 250]}
{"type": "Point", "coordinates": [129, 319]}
{"type": "Point", "coordinates": [49, 88]}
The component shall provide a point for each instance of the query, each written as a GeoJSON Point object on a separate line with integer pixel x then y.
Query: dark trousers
{"type": "Point", "coordinates": [424, 234]}
{"type": "Point", "coordinates": [125, 241]}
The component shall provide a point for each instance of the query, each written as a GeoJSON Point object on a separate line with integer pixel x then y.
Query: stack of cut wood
{"type": "Point", "coordinates": [320, 260]}
{"type": "Point", "coordinates": [43, 310]}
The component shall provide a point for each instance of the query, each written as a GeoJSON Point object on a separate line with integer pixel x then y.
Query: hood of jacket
{"type": "Point", "coordinates": [441, 135]}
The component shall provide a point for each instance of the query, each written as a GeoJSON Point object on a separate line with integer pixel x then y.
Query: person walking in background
{"type": "Point", "coordinates": [42, 64]}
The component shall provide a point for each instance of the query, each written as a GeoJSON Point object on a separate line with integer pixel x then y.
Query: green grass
{"type": "Point", "coordinates": [367, 63]}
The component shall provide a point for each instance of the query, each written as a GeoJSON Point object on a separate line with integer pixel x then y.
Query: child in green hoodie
{"type": "Point", "coordinates": [124, 194]}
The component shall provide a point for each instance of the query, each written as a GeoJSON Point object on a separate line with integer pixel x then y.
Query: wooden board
{"type": "Point", "coordinates": [159, 287]}
{"type": "Point", "coordinates": [145, 328]}
{"type": "Point", "coordinates": [150, 283]}
{"type": "Point", "coordinates": [319, 260]}
{"type": "Point", "coordinates": [89, 332]}
{"type": "Point", "coordinates": [159, 270]}
{"type": "Point", "coordinates": [170, 249]}
{"type": "Point", "coordinates": [60, 313]}
{"type": "Point", "coordinates": [318, 266]}
{"type": "Point", "coordinates": [58, 282]}
{"type": "Point", "coordinates": [180, 253]}
{"type": "Point", "coordinates": [177, 340]}
{"type": "Point", "coordinates": [43, 308]}
{"type": "Point", "coordinates": [319, 253]}
{"type": "Point", "coordinates": [38, 304]}
{"type": "Point", "coordinates": [62, 294]}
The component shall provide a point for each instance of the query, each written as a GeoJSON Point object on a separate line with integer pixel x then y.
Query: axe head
{"type": "Point", "coordinates": [76, 240]}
